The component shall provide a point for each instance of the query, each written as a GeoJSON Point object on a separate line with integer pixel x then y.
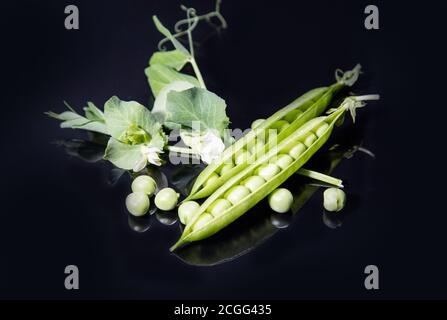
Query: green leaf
{"type": "Point", "coordinates": [175, 59]}
{"type": "Point", "coordinates": [160, 75]}
{"type": "Point", "coordinates": [124, 118]}
{"type": "Point", "coordinates": [163, 30]}
{"type": "Point", "coordinates": [123, 155]}
{"type": "Point", "coordinates": [73, 120]}
{"type": "Point", "coordinates": [197, 105]}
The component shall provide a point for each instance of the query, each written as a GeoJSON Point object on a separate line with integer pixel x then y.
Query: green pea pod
{"type": "Point", "coordinates": [310, 105]}
{"type": "Point", "coordinates": [224, 218]}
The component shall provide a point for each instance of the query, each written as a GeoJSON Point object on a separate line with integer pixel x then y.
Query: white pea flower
{"type": "Point", "coordinates": [151, 155]}
{"type": "Point", "coordinates": [212, 147]}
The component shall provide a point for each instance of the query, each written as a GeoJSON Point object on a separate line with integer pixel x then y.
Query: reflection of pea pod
{"type": "Point", "coordinates": [252, 230]}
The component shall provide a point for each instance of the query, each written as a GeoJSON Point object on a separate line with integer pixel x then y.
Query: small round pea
{"type": "Point", "coordinates": [256, 123]}
{"type": "Point", "coordinates": [242, 157]}
{"type": "Point", "coordinates": [202, 221]}
{"type": "Point", "coordinates": [211, 179]}
{"type": "Point", "coordinates": [186, 211]}
{"type": "Point", "coordinates": [321, 129]}
{"type": "Point", "coordinates": [310, 139]}
{"type": "Point", "coordinates": [282, 160]}
{"type": "Point", "coordinates": [281, 200]}
{"type": "Point", "coordinates": [218, 207]}
{"type": "Point", "coordinates": [137, 203]}
{"type": "Point", "coordinates": [166, 199]}
{"type": "Point", "coordinates": [268, 171]}
{"type": "Point", "coordinates": [292, 115]}
{"type": "Point", "coordinates": [237, 193]}
{"type": "Point", "coordinates": [334, 199]}
{"type": "Point", "coordinates": [145, 184]}
{"type": "Point", "coordinates": [226, 168]}
{"type": "Point", "coordinates": [253, 182]}
{"type": "Point", "coordinates": [297, 150]}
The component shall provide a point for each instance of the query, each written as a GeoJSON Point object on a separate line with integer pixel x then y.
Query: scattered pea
{"type": "Point", "coordinates": [166, 199]}
{"type": "Point", "coordinates": [237, 193]}
{"type": "Point", "coordinates": [334, 199]}
{"type": "Point", "coordinates": [268, 171]}
{"type": "Point", "coordinates": [253, 182]}
{"type": "Point", "coordinates": [186, 211]}
{"type": "Point", "coordinates": [137, 203]}
{"type": "Point", "coordinates": [145, 184]}
{"type": "Point", "coordinates": [297, 150]}
{"type": "Point", "coordinates": [281, 200]}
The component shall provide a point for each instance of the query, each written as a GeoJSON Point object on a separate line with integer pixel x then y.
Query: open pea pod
{"type": "Point", "coordinates": [306, 107]}
{"type": "Point", "coordinates": [319, 129]}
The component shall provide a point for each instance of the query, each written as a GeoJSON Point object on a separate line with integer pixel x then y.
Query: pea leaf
{"type": "Point", "coordinates": [123, 155]}
{"type": "Point", "coordinates": [175, 59]}
{"type": "Point", "coordinates": [197, 109]}
{"type": "Point", "coordinates": [124, 116]}
{"type": "Point", "coordinates": [160, 75]}
{"type": "Point", "coordinates": [163, 30]}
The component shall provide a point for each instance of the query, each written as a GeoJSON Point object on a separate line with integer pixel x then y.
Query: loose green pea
{"type": "Point", "coordinates": [242, 157]}
{"type": "Point", "coordinates": [268, 171]}
{"type": "Point", "coordinates": [253, 182]}
{"type": "Point", "coordinates": [202, 221]}
{"type": "Point", "coordinates": [310, 139]}
{"type": "Point", "coordinates": [282, 160]}
{"type": "Point", "coordinates": [334, 199]}
{"type": "Point", "coordinates": [166, 199]}
{"type": "Point", "coordinates": [144, 184]}
{"type": "Point", "coordinates": [186, 211]}
{"type": "Point", "coordinates": [257, 123]}
{"type": "Point", "coordinates": [218, 207]}
{"type": "Point", "coordinates": [320, 131]}
{"type": "Point", "coordinates": [212, 179]}
{"type": "Point", "coordinates": [297, 150]}
{"type": "Point", "coordinates": [137, 203]}
{"type": "Point", "coordinates": [292, 115]}
{"type": "Point", "coordinates": [281, 200]}
{"type": "Point", "coordinates": [226, 168]}
{"type": "Point", "coordinates": [237, 193]}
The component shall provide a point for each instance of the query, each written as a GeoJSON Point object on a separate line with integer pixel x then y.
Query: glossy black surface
{"type": "Point", "coordinates": [58, 210]}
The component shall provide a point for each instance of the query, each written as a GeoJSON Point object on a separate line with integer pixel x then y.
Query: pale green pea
{"type": "Point", "coordinates": [292, 115]}
{"type": "Point", "coordinates": [253, 182]}
{"type": "Point", "coordinates": [226, 168]}
{"type": "Point", "coordinates": [144, 184]}
{"type": "Point", "coordinates": [137, 203]}
{"type": "Point", "coordinates": [268, 171]}
{"type": "Point", "coordinates": [256, 123]}
{"type": "Point", "coordinates": [320, 131]}
{"type": "Point", "coordinates": [282, 160]}
{"type": "Point", "coordinates": [211, 180]}
{"type": "Point", "coordinates": [281, 200]}
{"type": "Point", "coordinates": [202, 221]}
{"type": "Point", "coordinates": [166, 199]}
{"type": "Point", "coordinates": [242, 157]}
{"type": "Point", "coordinates": [297, 150]}
{"type": "Point", "coordinates": [218, 207]}
{"type": "Point", "coordinates": [186, 211]}
{"type": "Point", "coordinates": [236, 194]}
{"type": "Point", "coordinates": [334, 199]}
{"type": "Point", "coordinates": [310, 139]}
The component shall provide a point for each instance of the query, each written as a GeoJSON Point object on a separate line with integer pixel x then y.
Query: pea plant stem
{"type": "Point", "coordinates": [320, 177]}
{"type": "Point", "coordinates": [196, 69]}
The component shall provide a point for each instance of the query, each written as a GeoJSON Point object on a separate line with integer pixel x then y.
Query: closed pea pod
{"type": "Point", "coordinates": [242, 204]}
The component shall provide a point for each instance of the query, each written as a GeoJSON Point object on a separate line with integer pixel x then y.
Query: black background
{"type": "Point", "coordinates": [57, 210]}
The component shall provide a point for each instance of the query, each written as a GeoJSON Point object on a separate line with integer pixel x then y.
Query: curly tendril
{"type": "Point", "coordinates": [349, 77]}
{"type": "Point", "coordinates": [351, 104]}
{"type": "Point", "coordinates": [191, 21]}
